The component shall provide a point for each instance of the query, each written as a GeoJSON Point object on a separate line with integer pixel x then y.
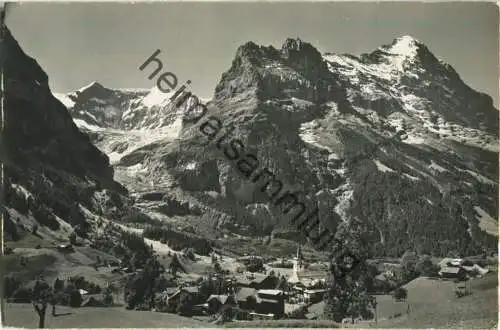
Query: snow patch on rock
{"type": "Point", "coordinates": [381, 167]}
{"type": "Point", "coordinates": [309, 136]}
{"type": "Point", "coordinates": [436, 167]}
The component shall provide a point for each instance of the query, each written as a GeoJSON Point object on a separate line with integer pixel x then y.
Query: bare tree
{"type": "Point", "coordinates": [41, 295]}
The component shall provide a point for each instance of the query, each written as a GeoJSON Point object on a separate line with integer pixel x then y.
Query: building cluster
{"type": "Point", "coordinates": [457, 268]}
{"type": "Point", "coordinates": [307, 284]}
{"type": "Point", "coordinates": [446, 269]}
{"type": "Point", "coordinates": [256, 294]}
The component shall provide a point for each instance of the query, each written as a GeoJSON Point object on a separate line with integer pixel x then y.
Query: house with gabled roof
{"type": "Point", "coordinates": [192, 291]}
{"type": "Point", "coordinates": [270, 302]}
{"type": "Point", "coordinates": [216, 301]}
{"type": "Point", "coordinates": [255, 280]}
{"type": "Point", "coordinates": [450, 262]}
{"type": "Point", "coordinates": [452, 272]}
{"type": "Point", "coordinates": [246, 298]}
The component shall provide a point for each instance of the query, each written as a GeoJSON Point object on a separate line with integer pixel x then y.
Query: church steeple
{"type": "Point", "coordinates": [299, 258]}
{"type": "Point", "coordinates": [299, 254]}
{"type": "Point", "coordinates": [297, 266]}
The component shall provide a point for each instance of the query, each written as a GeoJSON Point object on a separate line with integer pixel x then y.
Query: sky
{"type": "Point", "coordinates": [79, 43]}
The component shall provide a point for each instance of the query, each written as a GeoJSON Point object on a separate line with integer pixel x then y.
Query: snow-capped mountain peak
{"type": "Point", "coordinates": [404, 52]}
{"type": "Point", "coordinates": [92, 85]}
{"type": "Point", "coordinates": [123, 120]}
{"type": "Point", "coordinates": [93, 91]}
{"type": "Point", "coordinates": [405, 80]}
{"type": "Point", "coordinates": [404, 46]}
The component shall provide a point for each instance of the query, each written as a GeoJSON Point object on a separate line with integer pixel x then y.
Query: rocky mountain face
{"type": "Point", "coordinates": [116, 120]}
{"type": "Point", "coordinates": [394, 138]}
{"type": "Point", "coordinates": [96, 105]}
{"type": "Point", "coordinates": [406, 78]}
{"type": "Point", "coordinates": [54, 176]}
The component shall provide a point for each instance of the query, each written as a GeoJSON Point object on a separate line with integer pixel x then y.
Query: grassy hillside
{"type": "Point", "coordinates": [433, 304]}
{"type": "Point", "coordinates": [23, 315]}
{"type": "Point", "coordinates": [51, 263]}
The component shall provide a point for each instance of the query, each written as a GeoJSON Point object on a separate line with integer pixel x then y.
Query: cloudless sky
{"type": "Point", "coordinates": [79, 43]}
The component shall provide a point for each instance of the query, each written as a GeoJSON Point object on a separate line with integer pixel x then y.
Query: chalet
{"type": "Point", "coordinates": [315, 295]}
{"type": "Point", "coordinates": [452, 272]}
{"type": "Point", "coordinates": [192, 291]}
{"type": "Point", "coordinates": [450, 262]}
{"type": "Point", "coordinates": [246, 298]}
{"type": "Point", "coordinates": [255, 281]}
{"type": "Point", "coordinates": [162, 299]}
{"type": "Point", "coordinates": [270, 301]}
{"type": "Point", "coordinates": [216, 302]}
{"type": "Point", "coordinates": [476, 270]}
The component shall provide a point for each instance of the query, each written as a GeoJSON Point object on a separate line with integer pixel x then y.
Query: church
{"type": "Point", "coordinates": [306, 275]}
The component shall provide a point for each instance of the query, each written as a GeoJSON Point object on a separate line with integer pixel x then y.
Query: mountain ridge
{"type": "Point", "coordinates": [329, 125]}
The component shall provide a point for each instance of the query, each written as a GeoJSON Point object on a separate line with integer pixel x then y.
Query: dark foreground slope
{"type": "Point", "coordinates": [54, 177]}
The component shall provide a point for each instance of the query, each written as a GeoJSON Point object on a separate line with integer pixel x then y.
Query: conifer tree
{"type": "Point", "coordinates": [347, 296]}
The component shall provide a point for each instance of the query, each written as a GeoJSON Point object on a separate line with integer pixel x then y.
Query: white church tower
{"type": "Point", "coordinates": [298, 266]}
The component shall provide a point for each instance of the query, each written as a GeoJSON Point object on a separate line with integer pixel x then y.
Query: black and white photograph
{"type": "Point", "coordinates": [249, 164]}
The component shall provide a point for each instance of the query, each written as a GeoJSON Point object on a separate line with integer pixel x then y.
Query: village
{"type": "Point", "coordinates": [253, 291]}
{"type": "Point", "coordinates": [289, 288]}
{"type": "Point", "coordinates": [219, 288]}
